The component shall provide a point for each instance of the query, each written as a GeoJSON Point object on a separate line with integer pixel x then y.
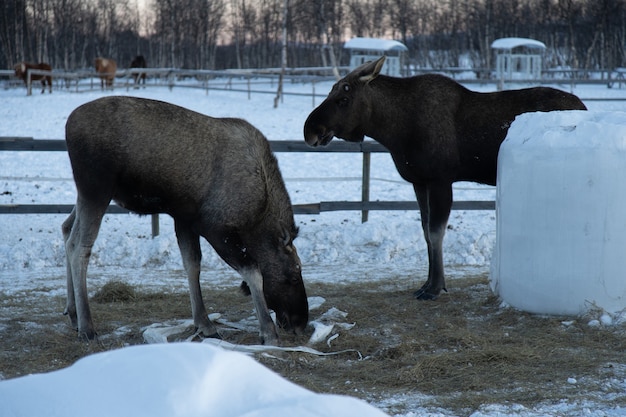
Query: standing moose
{"type": "Point", "coordinates": [21, 71]}
{"type": "Point", "coordinates": [217, 178]}
{"type": "Point", "coordinates": [437, 131]}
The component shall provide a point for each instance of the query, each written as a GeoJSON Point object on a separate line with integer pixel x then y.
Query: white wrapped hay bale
{"type": "Point", "coordinates": [561, 213]}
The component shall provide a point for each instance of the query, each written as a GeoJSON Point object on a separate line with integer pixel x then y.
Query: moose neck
{"type": "Point", "coordinates": [390, 100]}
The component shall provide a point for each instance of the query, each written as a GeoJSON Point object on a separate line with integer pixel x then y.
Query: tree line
{"type": "Point", "coordinates": [220, 34]}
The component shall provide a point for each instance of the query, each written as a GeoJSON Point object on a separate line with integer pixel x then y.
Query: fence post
{"type": "Point", "coordinates": [29, 84]}
{"type": "Point", "coordinates": [155, 225]}
{"type": "Point", "coordinates": [365, 184]}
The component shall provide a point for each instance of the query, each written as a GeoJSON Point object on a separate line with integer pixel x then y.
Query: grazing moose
{"type": "Point", "coordinates": [21, 71]}
{"type": "Point", "coordinates": [437, 131]}
{"type": "Point", "coordinates": [217, 178]}
{"type": "Point", "coordinates": [106, 69]}
{"type": "Point", "coordinates": [139, 62]}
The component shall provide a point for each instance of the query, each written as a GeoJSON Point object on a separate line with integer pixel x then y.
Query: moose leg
{"type": "Point", "coordinates": [70, 308]}
{"type": "Point", "coordinates": [254, 279]}
{"type": "Point", "coordinates": [78, 246]}
{"type": "Point", "coordinates": [230, 248]}
{"type": "Point", "coordinates": [435, 201]}
{"type": "Point", "coordinates": [189, 244]}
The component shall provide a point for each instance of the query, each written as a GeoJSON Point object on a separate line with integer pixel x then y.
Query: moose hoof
{"type": "Point", "coordinates": [422, 294]}
{"type": "Point", "coordinates": [87, 335]}
{"type": "Point", "coordinates": [215, 335]}
{"type": "Point", "coordinates": [199, 336]}
{"type": "Point", "coordinates": [425, 293]}
{"type": "Point", "coordinates": [207, 333]}
{"type": "Point", "coordinates": [268, 340]}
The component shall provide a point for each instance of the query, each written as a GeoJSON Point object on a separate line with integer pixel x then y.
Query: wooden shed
{"type": "Point", "coordinates": [369, 49]}
{"type": "Point", "coordinates": [518, 58]}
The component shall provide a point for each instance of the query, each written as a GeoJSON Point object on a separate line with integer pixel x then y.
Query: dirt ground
{"type": "Point", "coordinates": [457, 353]}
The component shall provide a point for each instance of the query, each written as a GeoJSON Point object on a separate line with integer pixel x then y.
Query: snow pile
{"type": "Point", "coordinates": [561, 223]}
{"type": "Point", "coordinates": [180, 379]}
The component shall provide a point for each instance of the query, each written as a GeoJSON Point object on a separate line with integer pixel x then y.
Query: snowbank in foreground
{"type": "Point", "coordinates": [181, 379]}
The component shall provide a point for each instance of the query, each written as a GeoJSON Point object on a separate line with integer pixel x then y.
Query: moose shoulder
{"type": "Point", "coordinates": [217, 178]}
{"type": "Point", "coordinates": [437, 131]}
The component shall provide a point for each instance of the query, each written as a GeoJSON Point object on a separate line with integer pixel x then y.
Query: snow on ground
{"type": "Point", "coordinates": [333, 247]}
{"type": "Point", "coordinates": [390, 239]}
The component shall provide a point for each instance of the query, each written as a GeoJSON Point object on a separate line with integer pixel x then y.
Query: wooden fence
{"type": "Point", "coordinates": [245, 81]}
{"type": "Point", "coordinates": [364, 205]}
{"type": "Point", "coordinates": [256, 80]}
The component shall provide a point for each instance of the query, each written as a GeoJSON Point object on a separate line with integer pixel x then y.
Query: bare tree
{"type": "Point", "coordinates": [66, 15]}
{"type": "Point", "coordinates": [368, 18]}
{"type": "Point", "coordinates": [283, 61]}
{"type": "Point", "coordinates": [194, 33]}
{"type": "Point", "coordinates": [243, 22]}
{"type": "Point", "coordinates": [13, 28]}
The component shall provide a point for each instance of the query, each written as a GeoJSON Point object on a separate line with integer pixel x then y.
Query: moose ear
{"type": "Point", "coordinates": [285, 236]}
{"type": "Point", "coordinates": [370, 70]}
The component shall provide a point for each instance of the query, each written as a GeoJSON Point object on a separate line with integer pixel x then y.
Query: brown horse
{"type": "Point", "coordinates": [106, 69]}
{"type": "Point", "coordinates": [22, 69]}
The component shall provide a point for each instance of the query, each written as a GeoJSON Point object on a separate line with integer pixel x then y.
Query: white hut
{"type": "Point", "coordinates": [518, 58]}
{"type": "Point", "coordinates": [369, 49]}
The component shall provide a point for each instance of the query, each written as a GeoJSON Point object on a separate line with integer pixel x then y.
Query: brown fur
{"type": "Point", "coordinates": [21, 71]}
{"type": "Point", "coordinates": [106, 69]}
{"type": "Point", "coordinates": [217, 178]}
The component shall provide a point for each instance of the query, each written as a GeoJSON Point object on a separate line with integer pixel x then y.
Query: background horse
{"type": "Point", "coordinates": [21, 71]}
{"type": "Point", "coordinates": [139, 62]}
{"type": "Point", "coordinates": [106, 69]}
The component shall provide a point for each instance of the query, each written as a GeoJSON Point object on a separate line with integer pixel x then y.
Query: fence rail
{"type": "Point", "coordinates": [23, 143]}
{"type": "Point", "coordinates": [246, 81]}
{"type": "Point", "coordinates": [310, 208]}
{"type": "Point", "coordinates": [364, 205]}
{"type": "Point", "coordinates": [229, 80]}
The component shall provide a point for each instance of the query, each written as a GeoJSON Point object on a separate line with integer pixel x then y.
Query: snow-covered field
{"type": "Point", "coordinates": [334, 247]}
